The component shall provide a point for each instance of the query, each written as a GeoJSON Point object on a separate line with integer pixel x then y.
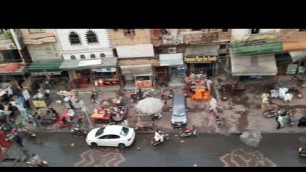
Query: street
{"type": "Point", "coordinates": [61, 149]}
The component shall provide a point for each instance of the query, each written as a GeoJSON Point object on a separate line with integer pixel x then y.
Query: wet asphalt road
{"type": "Point", "coordinates": [204, 150]}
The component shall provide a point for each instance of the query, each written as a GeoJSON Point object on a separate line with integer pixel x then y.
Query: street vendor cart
{"type": "Point", "coordinates": [101, 114]}
{"type": "Point", "coordinates": [144, 123]}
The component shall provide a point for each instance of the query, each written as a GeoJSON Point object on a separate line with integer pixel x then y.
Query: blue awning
{"type": "Point", "coordinates": [171, 59]}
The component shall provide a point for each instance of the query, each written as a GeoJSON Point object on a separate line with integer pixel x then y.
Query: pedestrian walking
{"type": "Point", "coordinates": [19, 141]}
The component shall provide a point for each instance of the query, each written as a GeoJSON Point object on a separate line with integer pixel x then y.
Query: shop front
{"type": "Point", "coordinates": [174, 69]}
{"type": "Point", "coordinates": [202, 59]}
{"type": "Point", "coordinates": [93, 72]}
{"type": "Point", "coordinates": [13, 74]}
{"type": "Point", "coordinates": [46, 74]}
{"type": "Point", "coordinates": [137, 76]}
{"type": "Point", "coordinates": [253, 66]}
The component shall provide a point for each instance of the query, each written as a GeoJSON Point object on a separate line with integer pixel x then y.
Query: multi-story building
{"type": "Point", "coordinates": [88, 57]}
{"type": "Point", "coordinates": [253, 51]}
{"type": "Point", "coordinates": [183, 51]}
{"type": "Point", "coordinates": [45, 55]}
{"type": "Point", "coordinates": [294, 46]}
{"type": "Point", "coordinates": [135, 56]}
{"type": "Point", "coordinates": [13, 59]}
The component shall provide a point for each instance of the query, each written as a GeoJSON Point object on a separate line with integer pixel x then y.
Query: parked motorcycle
{"type": "Point", "coordinates": [77, 131]}
{"type": "Point", "coordinates": [43, 164]}
{"type": "Point", "coordinates": [166, 137]}
{"type": "Point", "coordinates": [271, 113]}
{"type": "Point", "coordinates": [186, 132]}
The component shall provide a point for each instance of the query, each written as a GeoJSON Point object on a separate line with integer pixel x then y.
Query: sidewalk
{"type": "Point", "coordinates": [240, 113]}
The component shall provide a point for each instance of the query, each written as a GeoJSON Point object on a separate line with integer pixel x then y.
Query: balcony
{"type": "Point", "coordinates": [6, 41]}
{"type": "Point", "coordinates": [200, 37]}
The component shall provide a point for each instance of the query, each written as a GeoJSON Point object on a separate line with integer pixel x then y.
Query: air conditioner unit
{"type": "Point", "coordinates": [172, 50]}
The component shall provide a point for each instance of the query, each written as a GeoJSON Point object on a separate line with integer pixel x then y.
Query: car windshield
{"type": "Point", "coordinates": [100, 131]}
{"type": "Point", "coordinates": [124, 131]}
{"type": "Point", "coordinates": [178, 111]}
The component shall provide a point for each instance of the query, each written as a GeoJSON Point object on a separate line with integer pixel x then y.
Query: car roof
{"type": "Point", "coordinates": [112, 129]}
{"type": "Point", "coordinates": [179, 99]}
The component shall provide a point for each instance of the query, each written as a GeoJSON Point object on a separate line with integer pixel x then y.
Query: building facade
{"type": "Point", "coordinates": [136, 57]}
{"type": "Point", "coordinates": [46, 57]}
{"type": "Point", "coordinates": [13, 59]}
{"type": "Point", "coordinates": [88, 57]}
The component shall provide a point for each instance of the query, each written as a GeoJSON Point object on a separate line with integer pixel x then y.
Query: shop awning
{"type": "Point", "coordinates": [12, 69]}
{"type": "Point", "coordinates": [253, 65]}
{"type": "Point", "coordinates": [45, 66]}
{"type": "Point", "coordinates": [88, 64]}
{"type": "Point", "coordinates": [171, 59]}
{"type": "Point", "coordinates": [136, 69]}
{"type": "Point", "coordinates": [297, 55]}
{"type": "Point", "coordinates": [202, 50]}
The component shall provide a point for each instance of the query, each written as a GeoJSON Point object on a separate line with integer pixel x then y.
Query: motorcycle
{"type": "Point", "coordinates": [166, 137]}
{"type": "Point", "coordinates": [186, 132]}
{"type": "Point", "coordinates": [271, 113]}
{"type": "Point", "coordinates": [137, 95]}
{"type": "Point", "coordinates": [43, 164]}
{"type": "Point", "coordinates": [302, 152]}
{"type": "Point", "coordinates": [76, 131]}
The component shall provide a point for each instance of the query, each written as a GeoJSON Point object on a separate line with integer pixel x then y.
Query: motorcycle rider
{"type": "Point", "coordinates": [158, 136]}
{"type": "Point", "coordinates": [36, 160]}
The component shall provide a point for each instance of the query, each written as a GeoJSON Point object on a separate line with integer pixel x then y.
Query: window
{"type": "Point", "coordinates": [114, 136]}
{"type": "Point", "coordinates": [254, 31]}
{"type": "Point", "coordinates": [302, 30]}
{"type": "Point", "coordinates": [224, 30]}
{"type": "Point", "coordinates": [100, 131]}
{"type": "Point", "coordinates": [129, 32]}
{"type": "Point", "coordinates": [223, 46]}
{"type": "Point", "coordinates": [74, 38]}
{"type": "Point", "coordinates": [91, 37]}
{"type": "Point", "coordinates": [124, 131]}
{"type": "Point", "coordinates": [37, 30]}
{"type": "Point", "coordinates": [82, 56]}
{"type": "Point", "coordinates": [72, 57]}
{"type": "Point", "coordinates": [102, 55]}
{"type": "Point", "coordinates": [92, 56]}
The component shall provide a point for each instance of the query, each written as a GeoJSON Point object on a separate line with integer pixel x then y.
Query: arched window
{"type": "Point", "coordinates": [72, 57]}
{"type": "Point", "coordinates": [82, 56]}
{"type": "Point", "coordinates": [91, 37]}
{"type": "Point", "coordinates": [74, 38]}
{"type": "Point", "coordinates": [102, 55]}
{"type": "Point", "coordinates": [92, 56]}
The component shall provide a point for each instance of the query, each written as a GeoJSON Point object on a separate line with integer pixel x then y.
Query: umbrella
{"type": "Point", "coordinates": [150, 105]}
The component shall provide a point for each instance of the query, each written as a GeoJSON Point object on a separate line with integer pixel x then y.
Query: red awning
{"type": "Point", "coordinates": [11, 67]}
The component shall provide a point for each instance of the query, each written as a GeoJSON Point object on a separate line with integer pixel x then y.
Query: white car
{"type": "Point", "coordinates": [111, 135]}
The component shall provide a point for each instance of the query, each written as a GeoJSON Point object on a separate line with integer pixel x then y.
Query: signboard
{"type": "Point", "coordinates": [107, 69]}
{"type": "Point", "coordinates": [39, 103]}
{"type": "Point", "coordinates": [201, 59]}
{"type": "Point", "coordinates": [45, 73]}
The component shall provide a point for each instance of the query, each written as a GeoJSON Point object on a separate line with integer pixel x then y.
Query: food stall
{"type": "Point", "coordinates": [196, 88]}
{"type": "Point", "coordinates": [143, 81]}
{"type": "Point", "coordinates": [101, 114]}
